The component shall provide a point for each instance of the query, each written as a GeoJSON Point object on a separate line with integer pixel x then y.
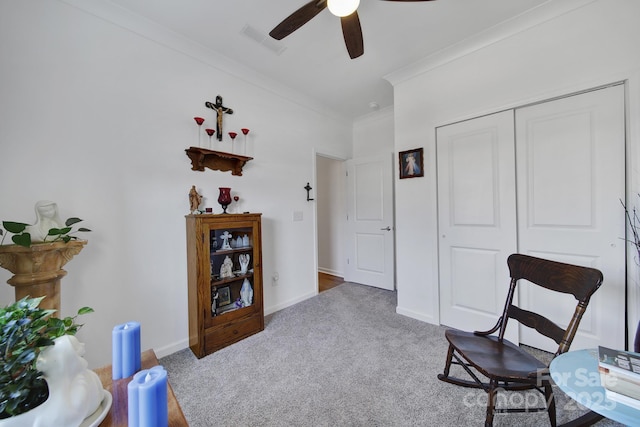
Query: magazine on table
{"type": "Point", "coordinates": [621, 398]}
{"type": "Point", "coordinates": [619, 372]}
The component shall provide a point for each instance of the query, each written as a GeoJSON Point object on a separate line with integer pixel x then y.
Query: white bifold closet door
{"type": "Point", "coordinates": [477, 219]}
{"type": "Point", "coordinates": [571, 177]}
{"type": "Point", "coordinates": [544, 180]}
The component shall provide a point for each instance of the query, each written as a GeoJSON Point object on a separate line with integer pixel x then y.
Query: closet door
{"type": "Point", "coordinates": [571, 178]}
{"type": "Point", "coordinates": [476, 219]}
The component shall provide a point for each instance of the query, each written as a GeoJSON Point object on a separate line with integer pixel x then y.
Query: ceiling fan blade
{"type": "Point", "coordinates": [298, 18]}
{"type": "Point", "coordinates": [352, 33]}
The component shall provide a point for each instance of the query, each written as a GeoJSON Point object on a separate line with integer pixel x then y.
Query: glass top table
{"type": "Point", "coordinates": [576, 374]}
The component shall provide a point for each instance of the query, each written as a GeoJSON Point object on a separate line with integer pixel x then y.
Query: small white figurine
{"type": "Point", "coordinates": [246, 293]}
{"type": "Point", "coordinates": [226, 270]}
{"type": "Point", "coordinates": [225, 240]}
{"type": "Point", "coordinates": [245, 241]}
{"type": "Point", "coordinates": [239, 242]}
{"type": "Point", "coordinates": [46, 218]}
{"type": "Point", "coordinates": [244, 262]}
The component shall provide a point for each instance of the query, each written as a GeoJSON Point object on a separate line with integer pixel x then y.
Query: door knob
{"type": "Point", "coordinates": [386, 228]}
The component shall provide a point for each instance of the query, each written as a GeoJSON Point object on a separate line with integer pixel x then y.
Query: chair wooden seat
{"type": "Point", "coordinates": [506, 366]}
{"type": "Point", "coordinates": [495, 358]}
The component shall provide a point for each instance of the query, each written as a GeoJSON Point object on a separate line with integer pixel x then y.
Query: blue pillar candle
{"type": "Point", "coordinates": [147, 398]}
{"type": "Point", "coordinates": [126, 353]}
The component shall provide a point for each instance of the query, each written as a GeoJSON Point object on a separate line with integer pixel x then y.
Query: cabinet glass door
{"type": "Point", "coordinates": [231, 268]}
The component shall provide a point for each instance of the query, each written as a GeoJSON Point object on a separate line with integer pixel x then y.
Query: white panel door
{"type": "Point", "coordinates": [476, 220]}
{"type": "Point", "coordinates": [370, 224]}
{"type": "Point", "coordinates": [571, 178]}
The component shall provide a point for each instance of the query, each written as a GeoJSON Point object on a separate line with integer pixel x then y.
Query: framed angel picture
{"type": "Point", "coordinates": [411, 163]}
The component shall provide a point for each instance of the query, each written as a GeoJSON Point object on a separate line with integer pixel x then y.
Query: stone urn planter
{"type": "Point", "coordinates": [45, 380]}
{"type": "Point", "coordinates": [38, 269]}
{"type": "Point", "coordinates": [76, 396]}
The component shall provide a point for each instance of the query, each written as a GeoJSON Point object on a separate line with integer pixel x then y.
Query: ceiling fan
{"type": "Point", "coordinates": [345, 9]}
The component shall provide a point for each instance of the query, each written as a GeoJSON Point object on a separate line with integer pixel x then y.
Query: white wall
{"type": "Point", "coordinates": [373, 134]}
{"type": "Point", "coordinates": [592, 45]}
{"type": "Point", "coordinates": [96, 116]}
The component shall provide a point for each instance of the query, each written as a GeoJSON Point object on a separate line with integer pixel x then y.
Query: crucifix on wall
{"type": "Point", "coordinates": [220, 110]}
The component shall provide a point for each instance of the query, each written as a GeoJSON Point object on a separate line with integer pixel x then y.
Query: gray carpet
{"type": "Point", "coordinates": [342, 358]}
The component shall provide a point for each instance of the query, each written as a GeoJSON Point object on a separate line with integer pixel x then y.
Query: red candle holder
{"type": "Point", "coordinates": [245, 131]}
{"type": "Point", "coordinates": [199, 122]}
{"type": "Point", "coordinates": [233, 138]}
{"type": "Point", "coordinates": [210, 132]}
{"type": "Point", "coordinates": [237, 199]}
{"type": "Point", "coordinates": [224, 198]}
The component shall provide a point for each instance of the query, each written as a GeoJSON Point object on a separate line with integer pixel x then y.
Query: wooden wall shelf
{"type": "Point", "coordinates": [216, 160]}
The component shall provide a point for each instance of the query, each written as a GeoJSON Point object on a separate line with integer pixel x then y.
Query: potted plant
{"type": "Point", "coordinates": [25, 330]}
{"type": "Point", "coordinates": [21, 236]}
{"type": "Point", "coordinates": [47, 228]}
{"type": "Point", "coordinates": [39, 252]}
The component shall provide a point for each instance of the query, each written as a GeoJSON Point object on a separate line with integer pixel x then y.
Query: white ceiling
{"type": "Point", "coordinates": [314, 60]}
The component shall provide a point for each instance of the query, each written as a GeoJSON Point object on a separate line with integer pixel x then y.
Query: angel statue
{"type": "Point", "coordinates": [47, 217]}
{"type": "Point", "coordinates": [244, 262]}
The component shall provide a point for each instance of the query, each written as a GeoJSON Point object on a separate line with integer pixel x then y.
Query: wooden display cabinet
{"type": "Point", "coordinates": [215, 326]}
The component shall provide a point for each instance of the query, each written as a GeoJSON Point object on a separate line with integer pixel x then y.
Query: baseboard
{"type": "Point", "coordinates": [273, 309]}
{"type": "Point", "coordinates": [182, 344]}
{"type": "Point", "coordinates": [171, 348]}
{"type": "Point", "coordinates": [330, 272]}
{"type": "Point", "coordinates": [417, 315]}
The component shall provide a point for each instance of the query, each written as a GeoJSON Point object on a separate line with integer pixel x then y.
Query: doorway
{"type": "Point", "coordinates": [330, 200]}
{"type": "Point", "coordinates": [354, 219]}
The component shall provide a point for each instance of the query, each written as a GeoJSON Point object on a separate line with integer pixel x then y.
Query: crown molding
{"type": "Point", "coordinates": [548, 11]}
{"type": "Point", "coordinates": [146, 28]}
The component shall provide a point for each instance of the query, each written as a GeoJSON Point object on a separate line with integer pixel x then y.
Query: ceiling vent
{"type": "Point", "coordinates": [262, 39]}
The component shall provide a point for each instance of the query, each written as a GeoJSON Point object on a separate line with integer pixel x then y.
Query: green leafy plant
{"type": "Point", "coordinates": [23, 238]}
{"type": "Point", "coordinates": [26, 329]}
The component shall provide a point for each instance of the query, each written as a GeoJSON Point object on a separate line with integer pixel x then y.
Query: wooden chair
{"type": "Point", "coordinates": [505, 365]}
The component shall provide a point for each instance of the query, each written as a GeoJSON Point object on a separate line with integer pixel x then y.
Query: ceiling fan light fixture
{"type": "Point", "coordinates": [342, 8]}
